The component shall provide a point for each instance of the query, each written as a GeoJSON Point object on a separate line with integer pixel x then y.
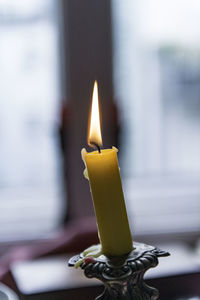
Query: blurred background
{"type": "Point", "coordinates": [30, 92]}
{"type": "Point", "coordinates": [145, 56]}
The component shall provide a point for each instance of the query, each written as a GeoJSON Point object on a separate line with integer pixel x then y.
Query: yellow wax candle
{"type": "Point", "coordinates": [105, 183]}
{"type": "Point", "coordinates": [106, 188]}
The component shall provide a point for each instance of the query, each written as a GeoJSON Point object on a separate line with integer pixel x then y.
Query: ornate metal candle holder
{"type": "Point", "coordinates": [123, 275]}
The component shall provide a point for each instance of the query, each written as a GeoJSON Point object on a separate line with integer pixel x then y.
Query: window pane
{"type": "Point", "coordinates": [157, 83]}
{"type": "Point", "coordinates": [29, 95]}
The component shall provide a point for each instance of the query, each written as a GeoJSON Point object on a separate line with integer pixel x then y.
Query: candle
{"type": "Point", "coordinates": [106, 188]}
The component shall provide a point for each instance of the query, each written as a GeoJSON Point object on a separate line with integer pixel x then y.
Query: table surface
{"type": "Point", "coordinates": [51, 274]}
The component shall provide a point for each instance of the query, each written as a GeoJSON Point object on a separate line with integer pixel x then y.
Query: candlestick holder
{"type": "Point", "coordinates": [122, 276]}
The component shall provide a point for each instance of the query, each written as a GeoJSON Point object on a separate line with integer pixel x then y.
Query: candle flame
{"type": "Point", "coordinates": [94, 136]}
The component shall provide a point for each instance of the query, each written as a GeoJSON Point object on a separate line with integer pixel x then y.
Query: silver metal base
{"type": "Point", "coordinates": [123, 275]}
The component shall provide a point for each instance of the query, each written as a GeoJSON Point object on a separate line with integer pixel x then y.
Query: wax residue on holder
{"type": "Point", "coordinates": [91, 252]}
{"type": "Point", "coordinates": [85, 173]}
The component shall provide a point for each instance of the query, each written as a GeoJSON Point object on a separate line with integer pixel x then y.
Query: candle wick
{"type": "Point", "coordinates": [96, 145]}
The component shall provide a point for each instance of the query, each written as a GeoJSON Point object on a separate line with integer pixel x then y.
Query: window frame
{"type": "Point", "coordinates": [87, 25]}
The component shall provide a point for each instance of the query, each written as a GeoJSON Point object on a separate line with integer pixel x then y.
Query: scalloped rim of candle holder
{"type": "Point", "coordinates": [139, 251]}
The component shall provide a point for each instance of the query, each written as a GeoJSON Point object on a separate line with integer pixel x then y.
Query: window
{"type": "Point", "coordinates": [30, 193]}
{"type": "Point", "coordinates": [157, 84]}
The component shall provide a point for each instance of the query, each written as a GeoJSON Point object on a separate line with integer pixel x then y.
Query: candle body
{"type": "Point", "coordinates": [108, 199]}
